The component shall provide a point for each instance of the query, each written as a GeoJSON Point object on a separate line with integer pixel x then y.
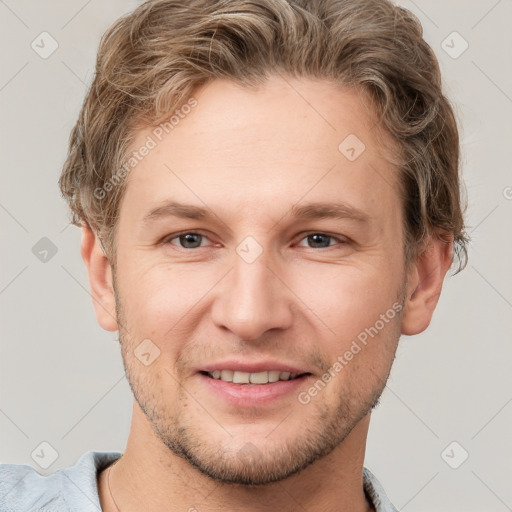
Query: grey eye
{"type": "Point", "coordinates": [190, 240]}
{"type": "Point", "coordinates": [318, 240]}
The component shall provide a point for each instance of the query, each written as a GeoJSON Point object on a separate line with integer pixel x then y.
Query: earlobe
{"type": "Point", "coordinates": [424, 284]}
{"type": "Point", "coordinates": [100, 279]}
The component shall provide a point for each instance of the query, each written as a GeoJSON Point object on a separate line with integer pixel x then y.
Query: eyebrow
{"type": "Point", "coordinates": [317, 210]}
{"type": "Point", "coordinates": [175, 209]}
{"type": "Point", "coordinates": [329, 211]}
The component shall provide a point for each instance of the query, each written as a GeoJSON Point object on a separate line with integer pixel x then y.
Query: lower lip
{"type": "Point", "coordinates": [253, 395]}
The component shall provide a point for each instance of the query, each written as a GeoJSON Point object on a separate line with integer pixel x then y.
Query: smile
{"type": "Point", "coordinates": [241, 377]}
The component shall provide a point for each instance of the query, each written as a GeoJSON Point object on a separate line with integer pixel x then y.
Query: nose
{"type": "Point", "coordinates": [252, 299]}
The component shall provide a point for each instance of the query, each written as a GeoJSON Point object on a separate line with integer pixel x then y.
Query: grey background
{"type": "Point", "coordinates": [61, 375]}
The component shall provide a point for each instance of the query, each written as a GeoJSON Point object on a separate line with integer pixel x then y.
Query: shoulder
{"type": "Point", "coordinates": [23, 489]}
{"type": "Point", "coordinates": [376, 493]}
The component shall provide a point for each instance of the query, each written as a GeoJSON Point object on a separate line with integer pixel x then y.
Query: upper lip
{"type": "Point", "coordinates": [254, 367]}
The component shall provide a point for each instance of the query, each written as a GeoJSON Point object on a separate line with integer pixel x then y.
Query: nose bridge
{"type": "Point", "coordinates": [253, 299]}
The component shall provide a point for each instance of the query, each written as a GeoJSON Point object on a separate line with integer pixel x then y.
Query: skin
{"type": "Point", "coordinates": [249, 156]}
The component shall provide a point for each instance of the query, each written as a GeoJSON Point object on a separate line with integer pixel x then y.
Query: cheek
{"type": "Point", "coordinates": [347, 299]}
{"type": "Point", "coordinates": [355, 314]}
{"type": "Point", "coordinates": [156, 299]}
{"type": "Point", "coordinates": [161, 300]}
{"type": "Point", "coordinates": [361, 357]}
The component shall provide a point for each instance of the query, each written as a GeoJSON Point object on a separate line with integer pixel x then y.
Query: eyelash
{"type": "Point", "coordinates": [168, 240]}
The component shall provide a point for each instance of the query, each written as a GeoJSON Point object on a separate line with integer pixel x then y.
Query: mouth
{"type": "Point", "coordinates": [253, 378]}
{"type": "Point", "coordinates": [242, 384]}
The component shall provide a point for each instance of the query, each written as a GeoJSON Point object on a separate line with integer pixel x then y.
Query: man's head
{"type": "Point", "coordinates": [264, 186]}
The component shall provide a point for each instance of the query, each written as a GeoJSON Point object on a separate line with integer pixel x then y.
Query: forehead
{"type": "Point", "coordinates": [273, 144]}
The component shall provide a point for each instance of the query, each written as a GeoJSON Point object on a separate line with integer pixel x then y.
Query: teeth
{"type": "Point", "coordinates": [226, 375]}
{"type": "Point", "coordinates": [258, 378]}
{"type": "Point", "coordinates": [241, 378]}
{"type": "Point", "coordinates": [265, 377]}
{"type": "Point", "coordinates": [273, 376]}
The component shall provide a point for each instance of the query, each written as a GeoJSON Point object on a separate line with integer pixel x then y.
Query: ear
{"type": "Point", "coordinates": [100, 279]}
{"type": "Point", "coordinates": [424, 283]}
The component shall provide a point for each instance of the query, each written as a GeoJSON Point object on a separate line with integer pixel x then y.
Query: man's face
{"type": "Point", "coordinates": [254, 287]}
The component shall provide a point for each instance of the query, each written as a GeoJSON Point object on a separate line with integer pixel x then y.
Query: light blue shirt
{"type": "Point", "coordinates": [75, 489]}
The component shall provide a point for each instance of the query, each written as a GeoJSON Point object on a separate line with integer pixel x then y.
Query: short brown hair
{"type": "Point", "coordinates": [151, 60]}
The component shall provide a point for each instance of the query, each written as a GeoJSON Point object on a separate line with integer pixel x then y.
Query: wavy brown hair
{"type": "Point", "coordinates": [150, 61]}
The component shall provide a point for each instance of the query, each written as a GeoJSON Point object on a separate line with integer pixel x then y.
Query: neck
{"type": "Point", "coordinates": [150, 477]}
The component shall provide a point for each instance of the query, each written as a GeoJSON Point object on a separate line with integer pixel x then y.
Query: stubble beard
{"type": "Point", "coordinates": [243, 463]}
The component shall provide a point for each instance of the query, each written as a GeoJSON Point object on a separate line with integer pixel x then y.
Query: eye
{"type": "Point", "coordinates": [188, 240]}
{"type": "Point", "coordinates": [321, 240]}
{"type": "Point", "coordinates": [193, 240]}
